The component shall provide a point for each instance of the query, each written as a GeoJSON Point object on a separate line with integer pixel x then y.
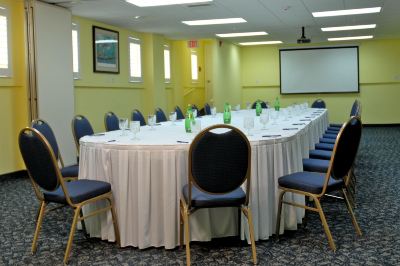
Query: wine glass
{"type": "Point", "coordinates": [151, 119]}
{"type": "Point", "coordinates": [248, 105]}
{"type": "Point", "coordinates": [264, 117]}
{"type": "Point", "coordinates": [213, 111]}
{"type": "Point", "coordinates": [194, 113]}
{"type": "Point", "coordinates": [172, 117]}
{"type": "Point", "coordinates": [134, 126]}
{"type": "Point", "coordinates": [248, 124]}
{"type": "Point", "coordinates": [123, 124]}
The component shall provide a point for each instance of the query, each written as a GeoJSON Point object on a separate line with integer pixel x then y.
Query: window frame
{"type": "Point", "coordinates": [7, 72]}
{"type": "Point", "coordinates": [166, 79]}
{"type": "Point", "coordinates": [137, 41]}
{"type": "Point", "coordinates": [192, 71]}
{"type": "Point", "coordinates": [76, 75]}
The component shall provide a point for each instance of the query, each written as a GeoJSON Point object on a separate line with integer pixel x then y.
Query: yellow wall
{"type": "Point", "coordinates": [379, 82]}
{"type": "Point", "coordinates": [13, 97]}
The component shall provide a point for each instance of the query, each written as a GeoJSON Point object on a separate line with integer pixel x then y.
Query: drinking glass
{"type": "Point", "coordinates": [274, 116]}
{"type": "Point", "coordinates": [264, 117]}
{"type": "Point", "coordinates": [248, 106]}
{"type": "Point", "coordinates": [237, 107]}
{"type": "Point", "coordinates": [285, 114]}
{"type": "Point", "coordinates": [196, 126]}
{"type": "Point", "coordinates": [134, 126]}
{"type": "Point", "coordinates": [151, 119]}
{"type": "Point", "coordinates": [213, 111]}
{"type": "Point", "coordinates": [248, 124]}
{"type": "Point", "coordinates": [123, 124]}
{"type": "Point", "coordinates": [172, 117]}
{"type": "Point", "coordinates": [194, 113]}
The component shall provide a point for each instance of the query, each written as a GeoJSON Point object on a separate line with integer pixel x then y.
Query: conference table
{"type": "Point", "coordinates": [147, 175]}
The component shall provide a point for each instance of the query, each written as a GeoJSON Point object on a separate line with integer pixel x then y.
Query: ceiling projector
{"type": "Point", "coordinates": [303, 38]}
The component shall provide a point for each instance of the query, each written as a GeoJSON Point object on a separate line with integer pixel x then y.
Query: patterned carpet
{"type": "Point", "coordinates": [378, 213]}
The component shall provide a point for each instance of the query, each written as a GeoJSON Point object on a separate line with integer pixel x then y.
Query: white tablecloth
{"type": "Point", "coordinates": [147, 176]}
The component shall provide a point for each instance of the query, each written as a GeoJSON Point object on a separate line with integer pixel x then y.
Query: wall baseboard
{"type": "Point", "coordinates": [17, 174]}
{"type": "Point", "coordinates": [382, 125]}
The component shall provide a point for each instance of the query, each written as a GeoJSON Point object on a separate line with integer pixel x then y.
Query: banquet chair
{"type": "Point", "coordinates": [50, 187]}
{"type": "Point", "coordinates": [319, 103]}
{"type": "Point", "coordinates": [263, 104]}
{"type": "Point", "coordinates": [207, 109]}
{"type": "Point", "coordinates": [111, 121]}
{"type": "Point", "coordinates": [137, 116]}
{"type": "Point", "coordinates": [215, 180]}
{"type": "Point", "coordinates": [160, 115]}
{"type": "Point", "coordinates": [355, 111]}
{"type": "Point", "coordinates": [179, 114]}
{"type": "Point", "coordinates": [316, 185]}
{"type": "Point", "coordinates": [80, 127]}
{"type": "Point", "coordinates": [68, 172]}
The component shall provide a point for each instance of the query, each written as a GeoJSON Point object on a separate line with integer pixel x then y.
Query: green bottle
{"type": "Point", "coordinates": [277, 105]}
{"type": "Point", "coordinates": [258, 108]}
{"type": "Point", "coordinates": [227, 113]}
{"type": "Point", "coordinates": [188, 119]}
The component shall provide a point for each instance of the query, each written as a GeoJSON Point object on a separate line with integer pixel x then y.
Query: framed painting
{"type": "Point", "coordinates": [105, 50]}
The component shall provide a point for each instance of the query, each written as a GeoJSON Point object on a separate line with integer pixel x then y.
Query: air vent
{"type": "Point", "coordinates": [200, 5]}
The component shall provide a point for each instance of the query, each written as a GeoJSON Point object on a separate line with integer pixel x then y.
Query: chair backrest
{"type": "Point", "coordinates": [263, 104]}
{"type": "Point", "coordinates": [111, 121]}
{"type": "Point", "coordinates": [207, 109]}
{"type": "Point", "coordinates": [179, 114]}
{"type": "Point", "coordinates": [137, 116]}
{"type": "Point", "coordinates": [44, 128]}
{"type": "Point", "coordinates": [81, 127]}
{"type": "Point", "coordinates": [356, 109]}
{"type": "Point", "coordinates": [160, 115]}
{"type": "Point", "coordinates": [219, 162]}
{"type": "Point", "coordinates": [345, 149]}
{"type": "Point", "coordinates": [39, 158]}
{"type": "Point", "coordinates": [318, 103]}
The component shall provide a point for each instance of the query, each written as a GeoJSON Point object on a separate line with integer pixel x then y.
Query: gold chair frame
{"type": "Point", "coordinates": [316, 198]}
{"type": "Point", "coordinates": [78, 216]}
{"type": "Point", "coordinates": [186, 209]}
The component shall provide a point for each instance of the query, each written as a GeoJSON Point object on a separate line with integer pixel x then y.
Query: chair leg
{"type": "Point", "coordinates": [278, 217]}
{"type": "Point", "coordinates": [247, 212]}
{"type": "Point", "coordinates": [115, 222]}
{"type": "Point", "coordinates": [353, 217]}
{"type": "Point", "coordinates": [71, 234]}
{"type": "Point", "coordinates": [38, 225]}
{"type": "Point", "coordinates": [325, 224]}
{"type": "Point", "coordinates": [187, 236]}
{"type": "Point", "coordinates": [180, 224]}
{"type": "Point", "coordinates": [83, 224]}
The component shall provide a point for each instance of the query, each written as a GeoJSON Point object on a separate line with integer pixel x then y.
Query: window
{"type": "Point", "coordinates": [135, 60]}
{"type": "Point", "coordinates": [167, 64]}
{"type": "Point", "coordinates": [5, 65]}
{"type": "Point", "coordinates": [75, 50]}
{"type": "Point", "coordinates": [195, 73]}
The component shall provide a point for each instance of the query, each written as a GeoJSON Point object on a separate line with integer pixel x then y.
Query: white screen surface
{"type": "Point", "coordinates": [319, 70]}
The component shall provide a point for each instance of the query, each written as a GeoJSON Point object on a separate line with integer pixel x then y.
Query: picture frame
{"type": "Point", "coordinates": [105, 50]}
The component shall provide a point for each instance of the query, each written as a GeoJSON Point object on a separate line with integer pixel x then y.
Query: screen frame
{"type": "Point", "coordinates": [319, 48]}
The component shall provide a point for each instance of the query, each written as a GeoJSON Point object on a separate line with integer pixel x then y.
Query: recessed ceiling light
{"type": "Point", "coordinates": [351, 38]}
{"type": "Point", "coordinates": [259, 43]}
{"type": "Point", "coordinates": [357, 27]}
{"type": "Point", "coordinates": [136, 17]}
{"type": "Point", "coordinates": [213, 21]}
{"type": "Point", "coordinates": [347, 12]}
{"type": "Point", "coordinates": [241, 34]}
{"type": "Point", "coordinates": [146, 3]}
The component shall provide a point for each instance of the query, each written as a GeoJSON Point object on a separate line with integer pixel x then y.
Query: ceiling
{"type": "Point", "coordinates": [282, 19]}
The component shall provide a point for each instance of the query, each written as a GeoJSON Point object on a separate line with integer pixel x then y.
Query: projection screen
{"type": "Point", "coordinates": [319, 70]}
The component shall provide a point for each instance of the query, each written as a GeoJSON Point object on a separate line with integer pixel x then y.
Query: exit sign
{"type": "Point", "coordinates": [193, 44]}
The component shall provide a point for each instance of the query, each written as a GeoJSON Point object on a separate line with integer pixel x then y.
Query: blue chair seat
{"type": "Point", "coordinates": [329, 136]}
{"type": "Point", "coordinates": [309, 181]}
{"type": "Point", "coordinates": [324, 146]}
{"type": "Point", "coordinates": [201, 199]}
{"type": "Point", "coordinates": [337, 129]}
{"type": "Point", "coordinates": [331, 132]}
{"type": "Point", "coordinates": [70, 171]}
{"type": "Point", "coordinates": [320, 154]}
{"type": "Point", "coordinates": [325, 140]}
{"type": "Point", "coordinates": [336, 125]}
{"type": "Point", "coordinates": [79, 191]}
{"type": "Point", "coordinates": [315, 165]}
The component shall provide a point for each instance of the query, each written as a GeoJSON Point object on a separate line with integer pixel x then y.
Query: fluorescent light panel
{"type": "Point", "coordinates": [3, 8]}
{"type": "Point", "coordinates": [259, 43]}
{"type": "Point", "coordinates": [241, 34]}
{"type": "Point", "coordinates": [356, 27]}
{"type": "Point", "coordinates": [213, 21]}
{"type": "Point", "coordinates": [351, 38]}
{"type": "Point", "coordinates": [346, 12]}
{"type": "Point", "coordinates": [147, 3]}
